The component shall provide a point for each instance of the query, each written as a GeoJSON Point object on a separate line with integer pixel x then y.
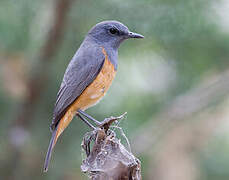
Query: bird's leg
{"type": "Point", "coordinates": [86, 121]}
{"type": "Point", "coordinates": [89, 117]}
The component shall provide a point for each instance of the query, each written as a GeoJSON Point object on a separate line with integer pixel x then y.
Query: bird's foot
{"type": "Point", "coordinates": [105, 124]}
{"type": "Point", "coordinates": [89, 117]}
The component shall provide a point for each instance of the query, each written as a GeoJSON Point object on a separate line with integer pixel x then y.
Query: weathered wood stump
{"type": "Point", "coordinates": [108, 159]}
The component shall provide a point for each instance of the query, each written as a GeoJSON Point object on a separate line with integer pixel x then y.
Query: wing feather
{"type": "Point", "coordinates": [80, 73]}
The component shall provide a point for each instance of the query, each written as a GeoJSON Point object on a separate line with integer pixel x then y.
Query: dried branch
{"type": "Point", "coordinates": [108, 159]}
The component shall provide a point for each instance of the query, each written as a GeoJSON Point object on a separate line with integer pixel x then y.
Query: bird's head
{"type": "Point", "coordinates": [111, 33]}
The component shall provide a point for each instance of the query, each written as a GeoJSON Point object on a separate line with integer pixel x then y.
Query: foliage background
{"type": "Point", "coordinates": [173, 84]}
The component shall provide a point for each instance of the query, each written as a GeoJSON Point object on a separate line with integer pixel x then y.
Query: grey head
{"type": "Point", "coordinates": [111, 34]}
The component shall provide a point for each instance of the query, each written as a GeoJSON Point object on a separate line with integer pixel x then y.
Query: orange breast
{"type": "Point", "coordinates": [91, 95]}
{"type": "Point", "coordinates": [97, 89]}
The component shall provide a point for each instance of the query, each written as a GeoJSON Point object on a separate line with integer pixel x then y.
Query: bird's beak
{"type": "Point", "coordinates": [135, 35]}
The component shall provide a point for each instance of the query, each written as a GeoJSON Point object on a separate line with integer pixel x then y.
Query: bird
{"type": "Point", "coordinates": [88, 77]}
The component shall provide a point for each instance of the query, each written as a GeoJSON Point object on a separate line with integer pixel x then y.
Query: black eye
{"type": "Point", "coordinates": [113, 30]}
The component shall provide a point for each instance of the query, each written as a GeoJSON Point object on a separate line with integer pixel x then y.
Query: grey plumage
{"type": "Point", "coordinates": [81, 71]}
{"type": "Point", "coordinates": [87, 63]}
{"type": "Point", "coordinates": [84, 67]}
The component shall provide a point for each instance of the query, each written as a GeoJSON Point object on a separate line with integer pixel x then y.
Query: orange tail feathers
{"type": "Point", "coordinates": [56, 133]}
{"type": "Point", "coordinates": [63, 123]}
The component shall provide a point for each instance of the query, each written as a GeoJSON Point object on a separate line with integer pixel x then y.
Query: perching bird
{"type": "Point", "coordinates": [88, 76]}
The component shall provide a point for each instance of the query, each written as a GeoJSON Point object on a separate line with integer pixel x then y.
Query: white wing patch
{"type": "Point", "coordinates": [94, 96]}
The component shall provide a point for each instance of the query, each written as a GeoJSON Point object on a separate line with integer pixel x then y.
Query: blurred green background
{"type": "Point", "coordinates": [174, 84]}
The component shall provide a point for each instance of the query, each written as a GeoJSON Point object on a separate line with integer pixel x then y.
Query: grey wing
{"type": "Point", "coordinates": [81, 71]}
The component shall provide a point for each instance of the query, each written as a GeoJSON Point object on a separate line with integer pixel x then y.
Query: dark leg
{"type": "Point", "coordinates": [89, 117]}
{"type": "Point", "coordinates": [85, 120]}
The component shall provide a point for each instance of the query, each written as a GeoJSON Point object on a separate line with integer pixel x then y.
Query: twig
{"type": "Point", "coordinates": [109, 159]}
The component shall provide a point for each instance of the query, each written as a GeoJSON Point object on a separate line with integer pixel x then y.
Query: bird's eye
{"type": "Point", "coordinates": [113, 30]}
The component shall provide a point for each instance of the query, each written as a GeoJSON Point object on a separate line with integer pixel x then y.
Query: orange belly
{"type": "Point", "coordinates": [91, 95]}
{"type": "Point", "coordinates": [97, 89]}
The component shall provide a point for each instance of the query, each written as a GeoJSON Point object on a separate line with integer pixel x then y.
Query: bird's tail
{"type": "Point", "coordinates": [63, 123]}
{"type": "Point", "coordinates": [50, 149]}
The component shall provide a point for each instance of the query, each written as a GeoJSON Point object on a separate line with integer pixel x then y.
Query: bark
{"type": "Point", "coordinates": [108, 159]}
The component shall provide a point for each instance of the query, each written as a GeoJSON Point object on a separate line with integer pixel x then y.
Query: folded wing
{"type": "Point", "coordinates": [81, 71]}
